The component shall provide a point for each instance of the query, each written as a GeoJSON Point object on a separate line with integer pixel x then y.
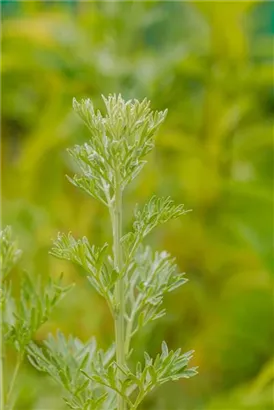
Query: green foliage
{"type": "Point", "coordinates": [65, 360]}
{"type": "Point", "coordinates": [156, 212]}
{"type": "Point", "coordinates": [169, 366]}
{"type": "Point", "coordinates": [214, 153]}
{"type": "Point", "coordinates": [134, 287]}
{"type": "Point", "coordinates": [90, 258]}
{"type": "Point", "coordinates": [121, 140]}
{"type": "Point", "coordinates": [9, 252]}
{"type": "Point", "coordinates": [149, 276]}
{"type": "Point", "coordinates": [35, 306]}
{"type": "Point", "coordinates": [21, 319]}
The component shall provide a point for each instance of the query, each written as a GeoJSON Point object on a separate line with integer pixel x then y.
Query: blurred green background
{"type": "Point", "coordinates": [210, 64]}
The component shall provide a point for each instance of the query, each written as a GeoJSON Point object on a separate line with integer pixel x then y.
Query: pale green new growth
{"type": "Point", "coordinates": [131, 277]}
{"type": "Point", "coordinates": [115, 154]}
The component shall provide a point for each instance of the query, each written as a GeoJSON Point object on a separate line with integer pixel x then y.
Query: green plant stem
{"type": "Point", "coordinates": [2, 403]}
{"type": "Point", "coordinates": [119, 290]}
{"type": "Point", "coordinates": [128, 336]}
{"type": "Point", "coordinates": [9, 405]}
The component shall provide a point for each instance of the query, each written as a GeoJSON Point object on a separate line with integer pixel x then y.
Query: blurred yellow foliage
{"type": "Point", "coordinates": [210, 64]}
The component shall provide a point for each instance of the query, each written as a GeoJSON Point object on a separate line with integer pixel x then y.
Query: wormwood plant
{"type": "Point", "coordinates": [21, 317]}
{"type": "Point", "coordinates": [129, 275]}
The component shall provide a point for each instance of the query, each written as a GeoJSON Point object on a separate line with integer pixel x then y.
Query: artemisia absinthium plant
{"type": "Point", "coordinates": [20, 318]}
{"type": "Point", "coordinates": [129, 275]}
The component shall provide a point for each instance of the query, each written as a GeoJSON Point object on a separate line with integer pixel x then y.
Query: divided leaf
{"type": "Point", "coordinates": [23, 319]}
{"type": "Point", "coordinates": [65, 360]}
{"type": "Point", "coordinates": [156, 212]}
{"type": "Point", "coordinates": [150, 276]}
{"type": "Point", "coordinates": [92, 259]}
{"type": "Point", "coordinates": [167, 366]}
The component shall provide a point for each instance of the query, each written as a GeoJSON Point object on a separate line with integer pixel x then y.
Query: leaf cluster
{"type": "Point", "coordinates": [167, 366]}
{"type": "Point", "coordinates": [89, 375]}
{"type": "Point", "coordinates": [157, 211]}
{"type": "Point", "coordinates": [148, 278]}
{"type": "Point", "coordinates": [66, 360]}
{"type": "Point", "coordinates": [34, 307]}
{"type": "Point", "coordinates": [22, 316]}
{"type": "Point", "coordinates": [120, 141]}
{"type": "Point", "coordinates": [92, 259]}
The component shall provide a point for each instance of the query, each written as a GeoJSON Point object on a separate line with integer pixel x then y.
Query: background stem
{"type": "Point", "coordinates": [9, 404]}
{"type": "Point", "coordinates": [119, 290]}
{"type": "Point", "coordinates": [2, 393]}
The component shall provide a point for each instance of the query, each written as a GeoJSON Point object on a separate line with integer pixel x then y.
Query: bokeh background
{"type": "Point", "coordinates": [210, 64]}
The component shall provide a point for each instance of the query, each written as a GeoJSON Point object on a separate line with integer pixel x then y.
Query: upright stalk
{"type": "Point", "coordinates": [119, 290]}
{"type": "Point", "coordinates": [1, 360]}
{"type": "Point", "coordinates": [9, 404]}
